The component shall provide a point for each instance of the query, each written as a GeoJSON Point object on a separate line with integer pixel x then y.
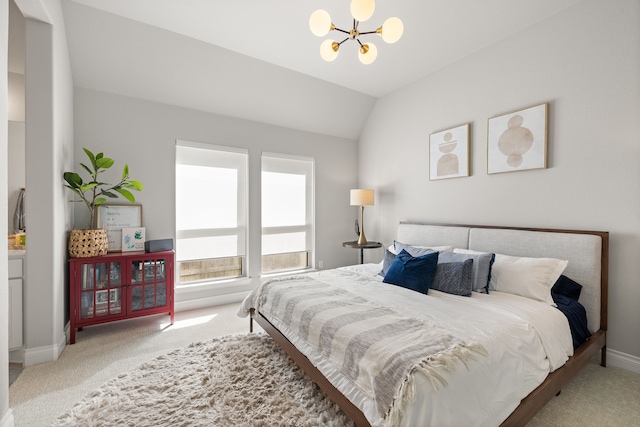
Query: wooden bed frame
{"type": "Point", "coordinates": [531, 404]}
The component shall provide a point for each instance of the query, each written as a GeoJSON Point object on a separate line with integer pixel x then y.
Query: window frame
{"type": "Point", "coordinates": [307, 169]}
{"type": "Point", "coordinates": [242, 228]}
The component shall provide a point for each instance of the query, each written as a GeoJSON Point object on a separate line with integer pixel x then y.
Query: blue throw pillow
{"type": "Point", "coordinates": [567, 287]}
{"type": "Point", "coordinates": [415, 273]}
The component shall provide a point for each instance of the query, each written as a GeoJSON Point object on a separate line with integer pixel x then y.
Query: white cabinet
{"type": "Point", "coordinates": [15, 302]}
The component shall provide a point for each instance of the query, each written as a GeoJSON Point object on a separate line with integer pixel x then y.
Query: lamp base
{"type": "Point", "coordinates": [362, 240]}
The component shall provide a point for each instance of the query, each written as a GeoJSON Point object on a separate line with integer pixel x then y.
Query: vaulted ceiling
{"type": "Point", "coordinates": [258, 60]}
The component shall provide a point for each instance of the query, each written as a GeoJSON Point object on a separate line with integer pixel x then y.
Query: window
{"type": "Point", "coordinates": [287, 212]}
{"type": "Point", "coordinates": [211, 194]}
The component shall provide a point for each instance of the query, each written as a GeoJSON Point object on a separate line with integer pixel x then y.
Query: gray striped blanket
{"type": "Point", "coordinates": [376, 348]}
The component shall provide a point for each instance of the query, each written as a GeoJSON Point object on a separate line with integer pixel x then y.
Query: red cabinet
{"type": "Point", "coordinates": [119, 286]}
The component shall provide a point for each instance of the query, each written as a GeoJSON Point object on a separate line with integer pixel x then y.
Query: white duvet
{"type": "Point", "coordinates": [525, 341]}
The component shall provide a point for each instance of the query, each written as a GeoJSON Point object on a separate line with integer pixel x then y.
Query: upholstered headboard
{"type": "Point", "coordinates": [586, 251]}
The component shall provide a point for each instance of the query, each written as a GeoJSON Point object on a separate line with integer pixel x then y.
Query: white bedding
{"type": "Point", "coordinates": [525, 340]}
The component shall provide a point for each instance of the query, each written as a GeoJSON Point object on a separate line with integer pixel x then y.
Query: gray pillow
{"type": "Point", "coordinates": [386, 262]}
{"type": "Point", "coordinates": [454, 278]}
{"type": "Point", "coordinates": [411, 250]}
{"type": "Point", "coordinates": [482, 263]}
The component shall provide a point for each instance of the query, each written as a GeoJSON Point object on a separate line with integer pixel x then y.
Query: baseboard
{"type": "Point", "coordinates": [49, 353]}
{"type": "Point", "coordinates": [212, 301]}
{"type": "Point", "coordinates": [624, 361]}
{"type": "Point", "coordinates": [7, 419]}
{"type": "Point", "coordinates": [16, 356]}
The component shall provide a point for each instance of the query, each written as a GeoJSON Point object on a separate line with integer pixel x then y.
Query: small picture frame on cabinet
{"type": "Point", "coordinates": [133, 239]}
{"type": "Point", "coordinates": [102, 297]}
{"type": "Point", "coordinates": [114, 296]}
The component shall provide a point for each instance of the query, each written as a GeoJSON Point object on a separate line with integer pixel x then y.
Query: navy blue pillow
{"type": "Point", "coordinates": [415, 273]}
{"type": "Point", "coordinates": [576, 315]}
{"type": "Point", "coordinates": [567, 287]}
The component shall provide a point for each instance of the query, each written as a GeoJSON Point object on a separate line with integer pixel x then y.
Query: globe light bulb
{"type": "Point", "coordinates": [329, 50]}
{"type": "Point", "coordinates": [361, 10]}
{"type": "Point", "coordinates": [368, 53]}
{"type": "Point", "coordinates": [391, 30]}
{"type": "Point", "coordinates": [320, 23]}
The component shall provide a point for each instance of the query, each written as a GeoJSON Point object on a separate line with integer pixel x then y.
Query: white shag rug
{"type": "Point", "coordinates": [238, 380]}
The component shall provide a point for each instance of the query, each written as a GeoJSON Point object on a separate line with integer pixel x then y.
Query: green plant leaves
{"type": "Point", "coordinates": [134, 185]}
{"type": "Point", "coordinates": [90, 155]}
{"type": "Point", "coordinates": [73, 179]}
{"type": "Point", "coordinates": [104, 163]}
{"type": "Point", "coordinates": [92, 193]}
{"type": "Point", "coordinates": [126, 194]}
{"type": "Point", "coordinates": [109, 194]}
{"type": "Point", "coordinates": [88, 186]}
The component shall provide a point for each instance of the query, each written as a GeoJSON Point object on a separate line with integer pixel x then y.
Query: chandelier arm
{"type": "Point", "coordinates": [368, 32]}
{"type": "Point", "coordinates": [344, 41]}
{"type": "Point", "coordinates": [342, 31]}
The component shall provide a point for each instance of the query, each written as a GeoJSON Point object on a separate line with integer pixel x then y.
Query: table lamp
{"type": "Point", "coordinates": [362, 198]}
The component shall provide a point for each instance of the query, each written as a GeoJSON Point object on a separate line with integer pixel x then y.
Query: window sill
{"type": "Point", "coordinates": [212, 284]}
{"type": "Point", "coordinates": [286, 273]}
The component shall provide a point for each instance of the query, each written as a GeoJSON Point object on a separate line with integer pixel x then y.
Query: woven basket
{"type": "Point", "coordinates": [87, 243]}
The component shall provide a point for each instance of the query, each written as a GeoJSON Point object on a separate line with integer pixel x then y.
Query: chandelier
{"type": "Point", "coordinates": [361, 10]}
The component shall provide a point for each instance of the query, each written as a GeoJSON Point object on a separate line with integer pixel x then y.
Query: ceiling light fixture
{"type": "Point", "coordinates": [361, 10]}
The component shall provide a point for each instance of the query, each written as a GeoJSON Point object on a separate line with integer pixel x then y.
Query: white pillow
{"type": "Point", "coordinates": [528, 277]}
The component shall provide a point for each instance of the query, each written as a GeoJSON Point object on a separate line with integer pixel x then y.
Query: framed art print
{"type": "Point", "coordinates": [449, 153]}
{"type": "Point", "coordinates": [114, 218]}
{"type": "Point", "coordinates": [517, 141]}
{"type": "Point", "coordinates": [133, 239]}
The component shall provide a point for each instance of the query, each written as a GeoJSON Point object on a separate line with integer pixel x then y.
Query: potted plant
{"type": "Point", "coordinates": [93, 193]}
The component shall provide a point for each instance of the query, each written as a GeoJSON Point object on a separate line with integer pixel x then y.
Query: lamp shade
{"type": "Point", "coordinates": [329, 50]}
{"type": "Point", "coordinates": [360, 197]}
{"type": "Point", "coordinates": [320, 23]}
{"type": "Point", "coordinates": [361, 10]}
{"type": "Point", "coordinates": [368, 53]}
{"type": "Point", "coordinates": [392, 30]}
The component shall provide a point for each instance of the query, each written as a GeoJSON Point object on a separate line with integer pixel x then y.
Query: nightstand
{"type": "Point", "coordinates": [368, 245]}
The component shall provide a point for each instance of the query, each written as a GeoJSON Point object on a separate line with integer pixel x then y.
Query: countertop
{"type": "Point", "coordinates": [17, 253]}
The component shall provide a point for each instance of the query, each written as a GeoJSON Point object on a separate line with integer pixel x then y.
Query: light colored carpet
{"type": "Point", "coordinates": [102, 352]}
{"type": "Point", "coordinates": [239, 380]}
{"type": "Point", "coordinates": [595, 397]}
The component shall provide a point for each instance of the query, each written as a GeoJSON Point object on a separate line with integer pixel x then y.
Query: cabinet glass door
{"type": "Point", "coordinates": [148, 284]}
{"type": "Point", "coordinates": [101, 285]}
{"type": "Point", "coordinates": [115, 288]}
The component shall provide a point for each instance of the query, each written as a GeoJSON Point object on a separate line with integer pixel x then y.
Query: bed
{"type": "Point", "coordinates": [495, 358]}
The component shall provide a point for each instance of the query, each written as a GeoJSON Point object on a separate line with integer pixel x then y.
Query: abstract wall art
{"type": "Point", "coordinates": [518, 140]}
{"type": "Point", "coordinates": [449, 153]}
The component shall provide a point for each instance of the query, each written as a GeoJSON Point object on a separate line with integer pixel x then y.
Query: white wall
{"type": "Point", "coordinates": [49, 142]}
{"type": "Point", "coordinates": [585, 62]}
{"type": "Point", "coordinates": [143, 135]}
{"type": "Point", "coordinates": [6, 417]}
